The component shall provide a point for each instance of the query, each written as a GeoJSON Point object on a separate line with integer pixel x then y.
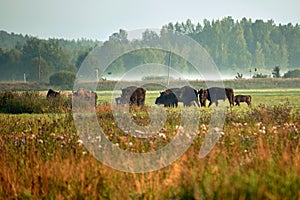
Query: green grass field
{"type": "Point", "coordinates": [260, 96]}
{"type": "Point", "coordinates": [257, 156]}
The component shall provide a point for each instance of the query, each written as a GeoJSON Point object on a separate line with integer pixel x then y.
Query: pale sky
{"type": "Point", "coordinates": [98, 19]}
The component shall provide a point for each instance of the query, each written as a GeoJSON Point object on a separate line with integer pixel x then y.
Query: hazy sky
{"type": "Point", "coordinates": [98, 19]}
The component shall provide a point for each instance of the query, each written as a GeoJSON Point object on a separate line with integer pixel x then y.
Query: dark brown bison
{"type": "Point", "coordinates": [86, 95]}
{"type": "Point", "coordinates": [52, 94]}
{"type": "Point", "coordinates": [133, 95]}
{"type": "Point", "coordinates": [167, 98]}
{"type": "Point", "coordinates": [188, 96]}
{"type": "Point", "coordinates": [242, 98]}
{"type": "Point", "coordinates": [214, 94]}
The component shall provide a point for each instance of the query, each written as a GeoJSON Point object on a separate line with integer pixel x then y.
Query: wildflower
{"type": "Point", "coordinates": [117, 144]}
{"type": "Point", "coordinates": [79, 142]}
{"type": "Point", "coordinates": [63, 144]}
{"type": "Point", "coordinates": [295, 129]}
{"type": "Point", "coordinates": [98, 138]}
{"type": "Point", "coordinates": [263, 131]}
{"type": "Point", "coordinates": [161, 135]}
{"type": "Point", "coordinates": [203, 127]}
{"type": "Point", "coordinates": [130, 144]}
{"type": "Point", "coordinates": [40, 141]}
{"type": "Point", "coordinates": [258, 124]}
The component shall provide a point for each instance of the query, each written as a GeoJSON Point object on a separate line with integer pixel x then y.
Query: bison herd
{"type": "Point", "coordinates": [189, 96]}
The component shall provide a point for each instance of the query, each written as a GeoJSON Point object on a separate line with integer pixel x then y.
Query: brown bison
{"type": "Point", "coordinates": [214, 94]}
{"type": "Point", "coordinates": [168, 98]}
{"type": "Point", "coordinates": [52, 94]}
{"type": "Point", "coordinates": [242, 98]}
{"type": "Point", "coordinates": [132, 95]}
{"type": "Point", "coordinates": [86, 95]}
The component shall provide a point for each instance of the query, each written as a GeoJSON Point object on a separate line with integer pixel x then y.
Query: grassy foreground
{"type": "Point", "coordinates": [257, 157]}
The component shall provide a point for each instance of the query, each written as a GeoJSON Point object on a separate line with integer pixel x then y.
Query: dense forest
{"type": "Point", "coordinates": [235, 46]}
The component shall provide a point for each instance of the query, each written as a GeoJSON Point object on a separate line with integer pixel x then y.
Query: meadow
{"type": "Point", "coordinates": [256, 157]}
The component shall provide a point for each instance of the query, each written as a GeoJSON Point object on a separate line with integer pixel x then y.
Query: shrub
{"type": "Point", "coordinates": [63, 78]}
{"type": "Point", "coordinates": [15, 103]}
{"type": "Point", "coordinates": [32, 102]}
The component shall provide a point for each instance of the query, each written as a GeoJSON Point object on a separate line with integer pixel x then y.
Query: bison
{"type": "Point", "coordinates": [242, 98]}
{"type": "Point", "coordinates": [186, 94]}
{"type": "Point", "coordinates": [132, 95]}
{"type": "Point", "coordinates": [168, 98]}
{"type": "Point", "coordinates": [214, 94]}
{"type": "Point", "coordinates": [86, 95]}
{"type": "Point", "coordinates": [52, 94]}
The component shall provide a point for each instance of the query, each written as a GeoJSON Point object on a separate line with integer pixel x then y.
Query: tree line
{"type": "Point", "coordinates": [243, 46]}
{"type": "Point", "coordinates": [33, 59]}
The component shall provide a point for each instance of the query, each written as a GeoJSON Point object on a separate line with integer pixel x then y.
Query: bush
{"type": "Point", "coordinates": [32, 102]}
{"type": "Point", "coordinates": [63, 78]}
{"type": "Point", "coordinates": [16, 103]}
{"type": "Point", "coordinates": [292, 74]}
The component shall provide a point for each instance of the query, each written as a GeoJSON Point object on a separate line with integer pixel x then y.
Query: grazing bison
{"type": "Point", "coordinates": [85, 95]}
{"type": "Point", "coordinates": [188, 96]}
{"type": "Point", "coordinates": [168, 98]}
{"type": "Point", "coordinates": [242, 98]}
{"type": "Point", "coordinates": [214, 94]}
{"type": "Point", "coordinates": [132, 95]}
{"type": "Point", "coordinates": [52, 94]}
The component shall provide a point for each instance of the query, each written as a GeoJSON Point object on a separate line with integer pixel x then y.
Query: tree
{"type": "Point", "coordinates": [239, 76]}
{"type": "Point", "coordinates": [150, 37]}
{"type": "Point", "coordinates": [276, 72]}
{"type": "Point", "coordinates": [292, 74]}
{"type": "Point", "coordinates": [121, 37]}
{"type": "Point", "coordinates": [259, 57]}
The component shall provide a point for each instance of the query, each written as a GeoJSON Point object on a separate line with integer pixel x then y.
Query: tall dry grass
{"type": "Point", "coordinates": [257, 157]}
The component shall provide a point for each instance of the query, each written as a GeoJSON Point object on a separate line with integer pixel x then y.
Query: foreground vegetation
{"type": "Point", "coordinates": [257, 156]}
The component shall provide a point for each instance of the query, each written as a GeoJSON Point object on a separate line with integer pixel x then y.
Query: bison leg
{"type": "Point", "coordinates": [216, 102]}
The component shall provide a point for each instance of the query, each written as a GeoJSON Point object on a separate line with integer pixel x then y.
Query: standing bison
{"type": "Point", "coordinates": [132, 95]}
{"type": "Point", "coordinates": [242, 98]}
{"type": "Point", "coordinates": [52, 94]}
{"type": "Point", "coordinates": [86, 96]}
{"type": "Point", "coordinates": [186, 94]}
{"type": "Point", "coordinates": [168, 98]}
{"type": "Point", "coordinates": [214, 94]}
